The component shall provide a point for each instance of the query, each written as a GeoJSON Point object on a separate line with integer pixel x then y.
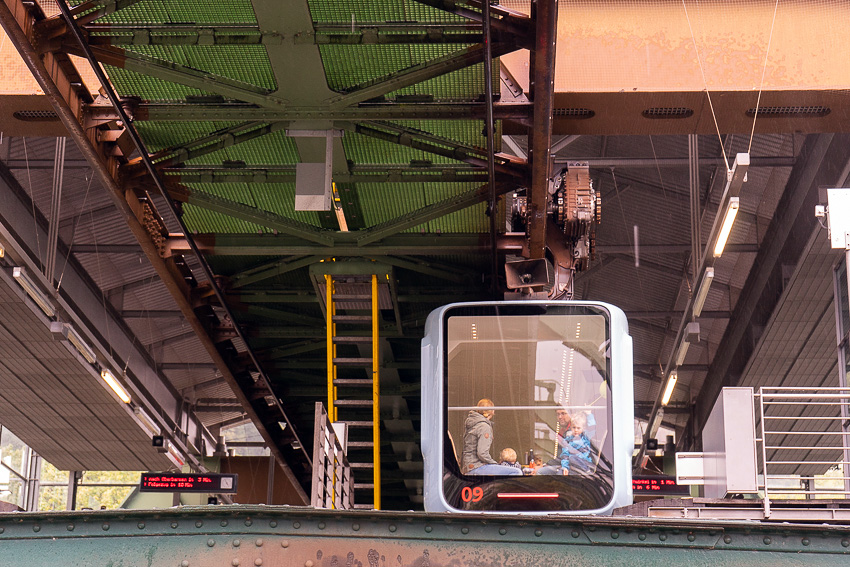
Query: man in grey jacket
{"type": "Point", "coordinates": [477, 439]}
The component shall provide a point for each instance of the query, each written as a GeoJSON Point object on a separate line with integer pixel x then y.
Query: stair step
{"type": "Point", "coordinates": [358, 424]}
{"type": "Point", "coordinates": [352, 340]}
{"type": "Point", "coordinates": [353, 361]}
{"type": "Point", "coordinates": [364, 507]}
{"type": "Point", "coordinates": [352, 382]}
{"type": "Point", "coordinates": [352, 318]}
{"type": "Point", "coordinates": [354, 403]}
{"type": "Point", "coordinates": [362, 465]}
{"type": "Point", "coordinates": [364, 486]}
{"type": "Point", "coordinates": [352, 296]}
{"type": "Point", "coordinates": [360, 444]}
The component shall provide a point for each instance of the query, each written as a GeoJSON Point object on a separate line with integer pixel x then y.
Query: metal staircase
{"type": "Point", "coordinates": [353, 317]}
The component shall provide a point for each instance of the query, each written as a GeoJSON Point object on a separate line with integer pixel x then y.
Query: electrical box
{"type": "Point", "coordinates": [729, 445]}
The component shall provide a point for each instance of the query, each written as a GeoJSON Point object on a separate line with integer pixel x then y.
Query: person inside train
{"type": "Point", "coordinates": [477, 440]}
{"type": "Point", "coordinates": [576, 455]}
{"type": "Point", "coordinates": [563, 432]}
{"type": "Point", "coordinates": [508, 458]}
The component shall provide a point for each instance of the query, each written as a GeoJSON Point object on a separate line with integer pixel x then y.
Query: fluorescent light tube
{"type": "Point", "coordinates": [116, 387]}
{"type": "Point", "coordinates": [33, 291]}
{"type": "Point", "coordinates": [683, 351]}
{"type": "Point", "coordinates": [77, 340]}
{"type": "Point", "coordinates": [147, 421]}
{"type": "Point", "coordinates": [726, 228]}
{"type": "Point", "coordinates": [702, 292]}
{"type": "Point", "coordinates": [668, 391]}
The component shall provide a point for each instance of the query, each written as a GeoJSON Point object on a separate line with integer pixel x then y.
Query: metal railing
{"type": "Point", "coordinates": [332, 484]}
{"type": "Point", "coordinates": [803, 433]}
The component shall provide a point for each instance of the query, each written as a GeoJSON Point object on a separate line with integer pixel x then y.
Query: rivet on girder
{"type": "Point", "coordinates": [691, 537]}
{"type": "Point", "coordinates": [538, 533]}
{"type": "Point", "coordinates": [258, 561]}
{"type": "Point", "coordinates": [174, 525]}
{"type": "Point", "coordinates": [184, 563]}
{"type": "Point", "coordinates": [428, 529]}
{"type": "Point", "coordinates": [237, 542]}
{"type": "Point", "coordinates": [37, 528]}
{"type": "Point", "coordinates": [806, 541]}
{"type": "Point", "coordinates": [70, 527]}
{"type": "Point", "coordinates": [641, 537]}
{"type": "Point", "coordinates": [248, 522]}
{"type": "Point", "coordinates": [662, 537]}
{"type": "Point", "coordinates": [210, 542]}
{"type": "Point", "coordinates": [296, 525]}
{"type": "Point", "coordinates": [727, 539]}
{"type": "Point", "coordinates": [2, 530]}
{"type": "Point", "coordinates": [321, 525]}
{"type": "Point", "coordinates": [464, 530]}
{"type": "Point", "coordinates": [355, 527]}
{"type": "Point", "coordinates": [575, 533]}
{"type": "Point", "coordinates": [284, 543]}
{"type": "Point", "coordinates": [273, 524]}
{"type": "Point", "coordinates": [141, 525]}
{"type": "Point", "coordinates": [845, 543]}
{"type": "Point", "coordinates": [223, 523]}
{"type": "Point", "coordinates": [615, 534]}
{"type": "Point", "coordinates": [502, 531]}
{"type": "Point", "coordinates": [308, 563]}
{"type": "Point", "coordinates": [767, 540]}
{"type": "Point", "coordinates": [199, 524]}
{"type": "Point", "coordinates": [259, 542]}
{"type": "Point", "coordinates": [104, 526]}
{"type": "Point", "coordinates": [393, 528]}
{"type": "Point", "coordinates": [235, 562]}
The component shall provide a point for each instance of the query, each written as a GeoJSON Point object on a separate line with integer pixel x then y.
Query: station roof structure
{"type": "Point", "coordinates": [195, 286]}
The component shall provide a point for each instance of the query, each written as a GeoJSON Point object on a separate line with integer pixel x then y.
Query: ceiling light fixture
{"type": "Point", "coordinates": [726, 228]}
{"type": "Point", "coordinates": [33, 291]}
{"type": "Point", "coordinates": [115, 385]}
{"type": "Point", "coordinates": [691, 335]}
{"type": "Point", "coordinates": [671, 385]}
{"type": "Point", "coordinates": [702, 292]}
{"type": "Point", "coordinates": [67, 331]}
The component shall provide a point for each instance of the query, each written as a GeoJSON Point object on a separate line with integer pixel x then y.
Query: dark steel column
{"type": "Point", "coordinates": [545, 15]}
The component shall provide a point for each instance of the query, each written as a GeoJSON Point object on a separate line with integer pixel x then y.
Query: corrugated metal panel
{"type": "Point", "coordinates": [196, 11]}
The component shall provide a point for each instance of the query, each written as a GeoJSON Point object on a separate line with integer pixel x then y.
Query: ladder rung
{"type": "Point", "coordinates": [352, 340]}
{"type": "Point", "coordinates": [360, 444]}
{"type": "Point", "coordinates": [353, 403]}
{"type": "Point", "coordinates": [351, 296]}
{"type": "Point", "coordinates": [361, 465]}
{"type": "Point", "coordinates": [352, 382]}
{"type": "Point", "coordinates": [363, 486]}
{"type": "Point", "coordinates": [352, 318]}
{"type": "Point", "coordinates": [364, 507]}
{"type": "Point", "coordinates": [353, 361]}
{"type": "Point", "coordinates": [359, 424]}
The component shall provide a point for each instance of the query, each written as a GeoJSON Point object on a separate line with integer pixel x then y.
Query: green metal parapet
{"type": "Point", "coordinates": [234, 536]}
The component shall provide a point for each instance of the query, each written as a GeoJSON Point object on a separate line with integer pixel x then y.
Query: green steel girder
{"type": "Point", "coordinates": [412, 139]}
{"type": "Point", "coordinates": [274, 535]}
{"type": "Point", "coordinates": [181, 74]}
{"type": "Point", "coordinates": [55, 27]}
{"type": "Point", "coordinates": [343, 244]}
{"type": "Point", "coordinates": [387, 110]}
{"type": "Point", "coordinates": [272, 269]}
{"type": "Point", "coordinates": [417, 73]}
{"type": "Point", "coordinates": [430, 212]}
{"type": "Point", "coordinates": [251, 214]}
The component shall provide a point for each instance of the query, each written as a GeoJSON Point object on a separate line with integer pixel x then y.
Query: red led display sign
{"type": "Point", "coordinates": [658, 485]}
{"type": "Point", "coordinates": [179, 482]}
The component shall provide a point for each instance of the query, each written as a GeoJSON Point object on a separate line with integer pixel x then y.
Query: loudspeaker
{"type": "Point", "coordinates": [537, 274]}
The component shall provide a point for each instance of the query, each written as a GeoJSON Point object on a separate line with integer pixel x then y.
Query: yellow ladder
{"type": "Point", "coordinates": [354, 387]}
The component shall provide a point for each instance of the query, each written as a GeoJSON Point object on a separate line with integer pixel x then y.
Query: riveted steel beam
{"type": "Point", "coordinates": [260, 174]}
{"type": "Point", "coordinates": [277, 535]}
{"type": "Point", "coordinates": [385, 110]}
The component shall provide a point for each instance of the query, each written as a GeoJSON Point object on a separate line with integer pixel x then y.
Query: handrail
{"type": "Point", "coordinates": [832, 431]}
{"type": "Point", "coordinates": [332, 485]}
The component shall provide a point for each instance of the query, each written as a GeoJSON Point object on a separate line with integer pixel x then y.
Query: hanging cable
{"type": "Point", "coordinates": [763, 72]}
